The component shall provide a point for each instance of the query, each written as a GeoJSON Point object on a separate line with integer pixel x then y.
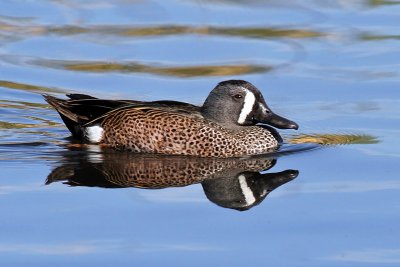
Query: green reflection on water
{"type": "Point", "coordinates": [267, 32]}
{"type": "Point", "coordinates": [165, 30]}
{"type": "Point", "coordinates": [29, 87]}
{"type": "Point", "coordinates": [20, 104]}
{"type": "Point", "coordinates": [40, 123]}
{"type": "Point", "coordinates": [30, 116]}
{"type": "Point", "coordinates": [376, 37]}
{"type": "Point", "coordinates": [13, 125]}
{"type": "Point", "coordinates": [333, 139]}
{"type": "Point", "coordinates": [128, 67]}
{"type": "Point", "coordinates": [382, 2]}
{"type": "Point", "coordinates": [12, 31]}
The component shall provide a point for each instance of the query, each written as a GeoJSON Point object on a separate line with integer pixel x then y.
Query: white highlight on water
{"type": "Point", "coordinates": [249, 101]}
{"type": "Point", "coordinates": [246, 191]}
{"type": "Point", "coordinates": [95, 154]}
{"type": "Point", "coordinates": [94, 133]}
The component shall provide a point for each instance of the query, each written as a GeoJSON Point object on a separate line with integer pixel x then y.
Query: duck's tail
{"type": "Point", "coordinates": [81, 109]}
{"type": "Point", "coordinates": [73, 120]}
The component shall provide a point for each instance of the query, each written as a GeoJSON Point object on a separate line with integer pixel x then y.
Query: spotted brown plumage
{"type": "Point", "coordinates": [225, 126]}
{"type": "Point", "coordinates": [154, 130]}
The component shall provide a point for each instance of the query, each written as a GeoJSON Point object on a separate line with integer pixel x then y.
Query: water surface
{"type": "Point", "coordinates": [331, 66]}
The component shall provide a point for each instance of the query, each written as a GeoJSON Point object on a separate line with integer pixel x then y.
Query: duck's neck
{"type": "Point", "coordinates": [217, 115]}
{"type": "Point", "coordinates": [215, 110]}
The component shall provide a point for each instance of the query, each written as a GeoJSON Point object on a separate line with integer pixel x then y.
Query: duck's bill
{"type": "Point", "coordinates": [281, 122]}
{"type": "Point", "coordinates": [270, 118]}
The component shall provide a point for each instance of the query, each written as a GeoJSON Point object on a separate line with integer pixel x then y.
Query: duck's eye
{"type": "Point", "coordinates": [238, 96]}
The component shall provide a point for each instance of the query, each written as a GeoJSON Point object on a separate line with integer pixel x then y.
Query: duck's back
{"type": "Point", "coordinates": [164, 131]}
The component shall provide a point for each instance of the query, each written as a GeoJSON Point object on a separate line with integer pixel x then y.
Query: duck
{"type": "Point", "coordinates": [234, 121]}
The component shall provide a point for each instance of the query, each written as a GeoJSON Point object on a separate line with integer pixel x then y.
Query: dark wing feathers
{"type": "Point", "coordinates": [174, 107]}
{"type": "Point", "coordinates": [80, 109]}
{"type": "Point", "coordinates": [80, 96]}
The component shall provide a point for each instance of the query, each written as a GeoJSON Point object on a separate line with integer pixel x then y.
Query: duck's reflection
{"type": "Point", "coordinates": [231, 183]}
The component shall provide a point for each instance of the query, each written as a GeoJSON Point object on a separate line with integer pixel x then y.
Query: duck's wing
{"type": "Point", "coordinates": [170, 108]}
{"type": "Point", "coordinates": [81, 109]}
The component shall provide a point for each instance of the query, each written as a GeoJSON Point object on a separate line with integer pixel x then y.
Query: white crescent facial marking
{"type": "Point", "coordinates": [94, 133]}
{"type": "Point", "coordinates": [249, 101]}
{"type": "Point", "coordinates": [246, 191]}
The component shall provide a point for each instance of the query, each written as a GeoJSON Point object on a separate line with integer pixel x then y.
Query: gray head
{"type": "Point", "coordinates": [236, 103]}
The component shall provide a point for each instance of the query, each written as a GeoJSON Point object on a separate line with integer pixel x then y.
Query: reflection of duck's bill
{"type": "Point", "coordinates": [246, 190]}
{"type": "Point", "coordinates": [279, 178]}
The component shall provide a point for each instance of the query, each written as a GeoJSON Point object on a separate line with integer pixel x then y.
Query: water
{"type": "Point", "coordinates": [331, 66]}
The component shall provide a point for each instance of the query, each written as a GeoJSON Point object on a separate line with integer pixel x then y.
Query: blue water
{"type": "Point", "coordinates": [332, 67]}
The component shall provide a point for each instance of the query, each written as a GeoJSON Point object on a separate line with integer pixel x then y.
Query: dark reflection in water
{"type": "Point", "coordinates": [230, 183]}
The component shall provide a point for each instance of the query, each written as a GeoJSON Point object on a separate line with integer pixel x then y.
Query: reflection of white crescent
{"type": "Point", "coordinates": [246, 191]}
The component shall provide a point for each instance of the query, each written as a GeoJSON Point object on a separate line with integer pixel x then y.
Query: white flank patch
{"type": "Point", "coordinates": [247, 193]}
{"type": "Point", "coordinates": [249, 102]}
{"type": "Point", "coordinates": [94, 133]}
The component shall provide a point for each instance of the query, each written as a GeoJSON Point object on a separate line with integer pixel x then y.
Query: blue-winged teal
{"type": "Point", "coordinates": [225, 126]}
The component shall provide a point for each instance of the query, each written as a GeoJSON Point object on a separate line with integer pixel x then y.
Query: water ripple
{"type": "Point", "coordinates": [158, 31]}
{"type": "Point", "coordinates": [333, 139]}
{"type": "Point", "coordinates": [131, 67]}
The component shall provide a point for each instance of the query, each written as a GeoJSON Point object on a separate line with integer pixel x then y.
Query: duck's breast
{"type": "Point", "coordinates": [163, 132]}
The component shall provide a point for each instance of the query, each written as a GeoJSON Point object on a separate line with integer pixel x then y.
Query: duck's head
{"type": "Point", "coordinates": [237, 103]}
